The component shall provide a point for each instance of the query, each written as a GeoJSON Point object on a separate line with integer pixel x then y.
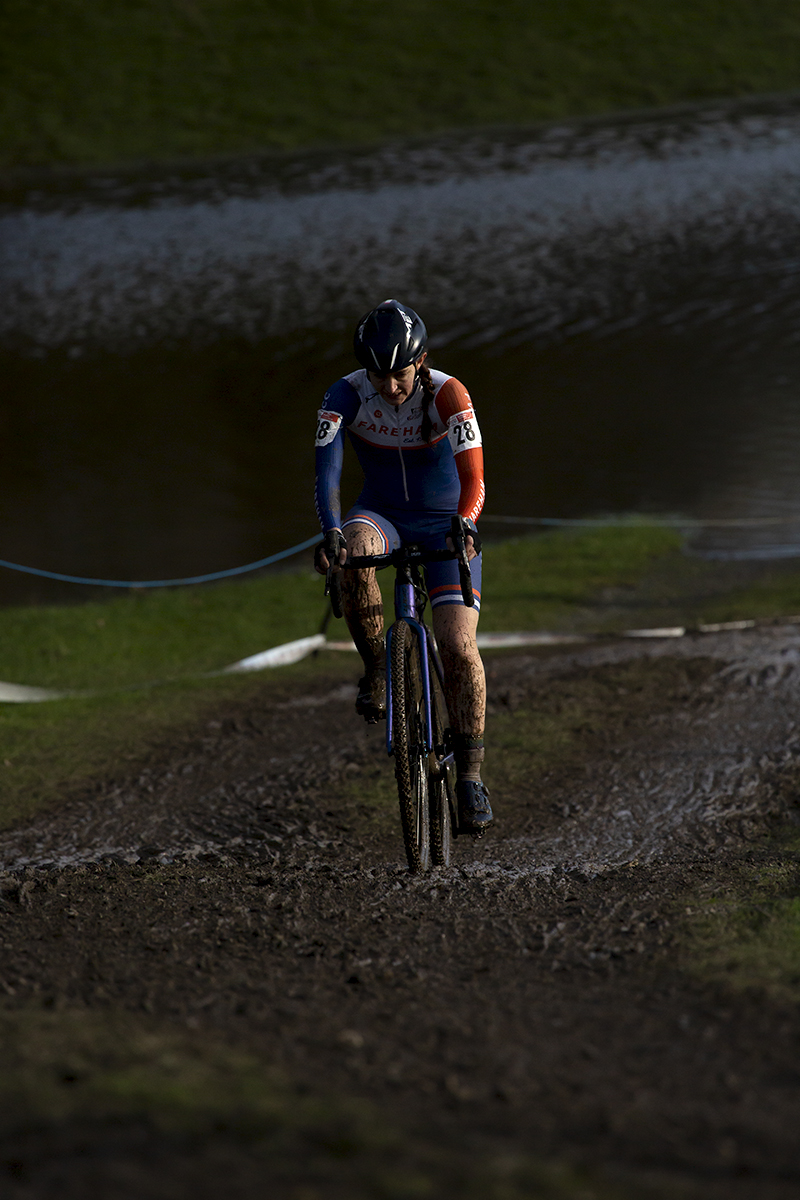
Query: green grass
{"type": "Point", "coordinates": [547, 582]}
{"type": "Point", "coordinates": [157, 635]}
{"type": "Point", "coordinates": [776, 595]}
{"type": "Point", "coordinates": [109, 80]}
{"type": "Point", "coordinates": [169, 634]}
{"type": "Point", "coordinates": [115, 648]}
{"type": "Point", "coordinates": [609, 578]}
{"type": "Point", "coordinates": [49, 749]}
{"type": "Point", "coordinates": [748, 937]}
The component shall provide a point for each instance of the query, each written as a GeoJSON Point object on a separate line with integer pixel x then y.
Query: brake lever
{"type": "Point", "coordinates": [458, 533]}
{"type": "Point", "coordinates": [333, 588]}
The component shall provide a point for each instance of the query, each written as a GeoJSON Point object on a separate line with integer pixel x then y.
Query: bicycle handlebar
{"type": "Point", "coordinates": [401, 557]}
{"type": "Point", "coordinates": [406, 555]}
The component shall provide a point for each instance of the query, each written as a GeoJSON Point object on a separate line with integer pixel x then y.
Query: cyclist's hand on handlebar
{"type": "Point", "coordinates": [331, 552]}
{"type": "Point", "coordinates": [472, 539]}
{"type": "Point", "coordinates": [469, 546]}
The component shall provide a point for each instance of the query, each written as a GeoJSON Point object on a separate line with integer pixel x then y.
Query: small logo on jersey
{"type": "Point", "coordinates": [378, 413]}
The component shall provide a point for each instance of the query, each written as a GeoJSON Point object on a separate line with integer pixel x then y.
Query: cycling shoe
{"type": "Point", "coordinates": [371, 698]}
{"type": "Point", "coordinates": [474, 809]}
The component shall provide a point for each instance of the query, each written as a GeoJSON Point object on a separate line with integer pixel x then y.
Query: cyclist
{"type": "Point", "coordinates": [419, 445]}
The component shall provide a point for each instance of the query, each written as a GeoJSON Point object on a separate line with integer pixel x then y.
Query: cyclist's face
{"type": "Point", "coordinates": [397, 386]}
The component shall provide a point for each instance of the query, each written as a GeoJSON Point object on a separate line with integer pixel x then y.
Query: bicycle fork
{"type": "Point", "coordinates": [405, 608]}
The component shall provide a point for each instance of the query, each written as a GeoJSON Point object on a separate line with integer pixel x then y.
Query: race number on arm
{"type": "Point", "coordinates": [339, 407]}
{"type": "Point", "coordinates": [457, 415]}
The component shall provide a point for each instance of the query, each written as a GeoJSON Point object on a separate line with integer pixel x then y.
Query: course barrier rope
{"type": "Point", "coordinates": [292, 652]}
{"type": "Point", "coordinates": [645, 519]}
{"type": "Point", "coordinates": [544, 522]}
{"type": "Point", "coordinates": [156, 583]}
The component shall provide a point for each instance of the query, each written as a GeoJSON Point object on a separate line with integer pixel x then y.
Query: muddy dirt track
{"type": "Point", "coordinates": [534, 1000]}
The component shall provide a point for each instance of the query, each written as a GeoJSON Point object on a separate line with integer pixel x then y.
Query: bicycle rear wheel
{"type": "Point", "coordinates": [408, 735]}
{"type": "Point", "coordinates": [440, 789]}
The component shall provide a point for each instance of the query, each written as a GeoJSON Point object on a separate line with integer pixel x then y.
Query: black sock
{"type": "Point", "coordinates": [469, 754]}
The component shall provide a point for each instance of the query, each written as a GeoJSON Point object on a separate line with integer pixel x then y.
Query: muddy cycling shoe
{"type": "Point", "coordinates": [371, 698]}
{"type": "Point", "coordinates": [474, 809]}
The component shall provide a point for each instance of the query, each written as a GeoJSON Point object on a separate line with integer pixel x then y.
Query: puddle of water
{"type": "Point", "coordinates": [622, 302]}
{"type": "Point", "coordinates": [170, 461]}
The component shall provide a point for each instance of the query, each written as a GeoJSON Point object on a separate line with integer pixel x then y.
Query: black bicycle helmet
{"type": "Point", "coordinates": [389, 338]}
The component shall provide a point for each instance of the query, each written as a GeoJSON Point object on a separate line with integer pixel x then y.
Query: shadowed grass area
{"type": "Point", "coordinates": [119, 648]}
{"type": "Point", "coordinates": [747, 937]}
{"type": "Point", "coordinates": [99, 1073]}
{"type": "Point", "coordinates": [49, 749]}
{"type": "Point", "coordinates": [129, 79]}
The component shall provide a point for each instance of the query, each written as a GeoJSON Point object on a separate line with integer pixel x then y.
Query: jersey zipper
{"type": "Point", "coordinates": [400, 448]}
{"type": "Point", "coordinates": [403, 468]}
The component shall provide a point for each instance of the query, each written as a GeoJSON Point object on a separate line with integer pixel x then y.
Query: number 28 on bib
{"type": "Point", "coordinates": [327, 426]}
{"type": "Point", "coordinates": [463, 431]}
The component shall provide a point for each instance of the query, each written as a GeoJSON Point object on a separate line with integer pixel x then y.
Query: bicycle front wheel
{"type": "Point", "coordinates": [440, 791]}
{"type": "Point", "coordinates": [408, 735]}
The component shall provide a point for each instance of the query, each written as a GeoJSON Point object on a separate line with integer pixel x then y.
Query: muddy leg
{"type": "Point", "coordinates": [465, 684]}
{"type": "Point", "coordinates": [362, 605]}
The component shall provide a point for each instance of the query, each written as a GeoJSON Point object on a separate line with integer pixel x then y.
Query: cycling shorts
{"type": "Point", "coordinates": [429, 531]}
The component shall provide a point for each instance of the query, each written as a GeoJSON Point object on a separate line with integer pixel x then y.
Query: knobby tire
{"type": "Point", "coordinates": [408, 734]}
{"type": "Point", "coordinates": [439, 783]}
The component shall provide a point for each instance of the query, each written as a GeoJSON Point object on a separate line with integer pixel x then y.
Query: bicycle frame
{"type": "Point", "coordinates": [407, 587]}
{"type": "Point", "coordinates": [427, 812]}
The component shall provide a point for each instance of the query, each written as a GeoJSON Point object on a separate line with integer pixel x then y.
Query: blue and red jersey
{"type": "Point", "coordinates": [402, 472]}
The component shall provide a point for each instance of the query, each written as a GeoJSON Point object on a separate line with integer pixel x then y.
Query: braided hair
{"type": "Point", "coordinates": [429, 391]}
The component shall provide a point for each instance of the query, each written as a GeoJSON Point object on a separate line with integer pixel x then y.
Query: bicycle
{"type": "Point", "coordinates": [417, 729]}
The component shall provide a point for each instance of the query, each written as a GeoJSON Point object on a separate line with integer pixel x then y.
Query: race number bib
{"type": "Point", "coordinates": [327, 426]}
{"type": "Point", "coordinates": [463, 431]}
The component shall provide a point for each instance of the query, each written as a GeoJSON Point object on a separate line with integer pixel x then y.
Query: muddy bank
{"type": "Point", "coordinates": [537, 1000]}
{"type": "Point", "coordinates": [582, 225]}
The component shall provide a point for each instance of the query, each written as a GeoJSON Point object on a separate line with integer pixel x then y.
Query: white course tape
{"type": "Point", "coordinates": [503, 641]}
{"type": "Point", "coordinates": [498, 641]}
{"type": "Point", "coordinates": [17, 693]}
{"type": "Point", "coordinates": [292, 652]}
{"type": "Point", "coordinates": [278, 656]}
{"type": "Point", "coordinates": [669, 631]}
{"type": "Point", "coordinates": [733, 626]}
